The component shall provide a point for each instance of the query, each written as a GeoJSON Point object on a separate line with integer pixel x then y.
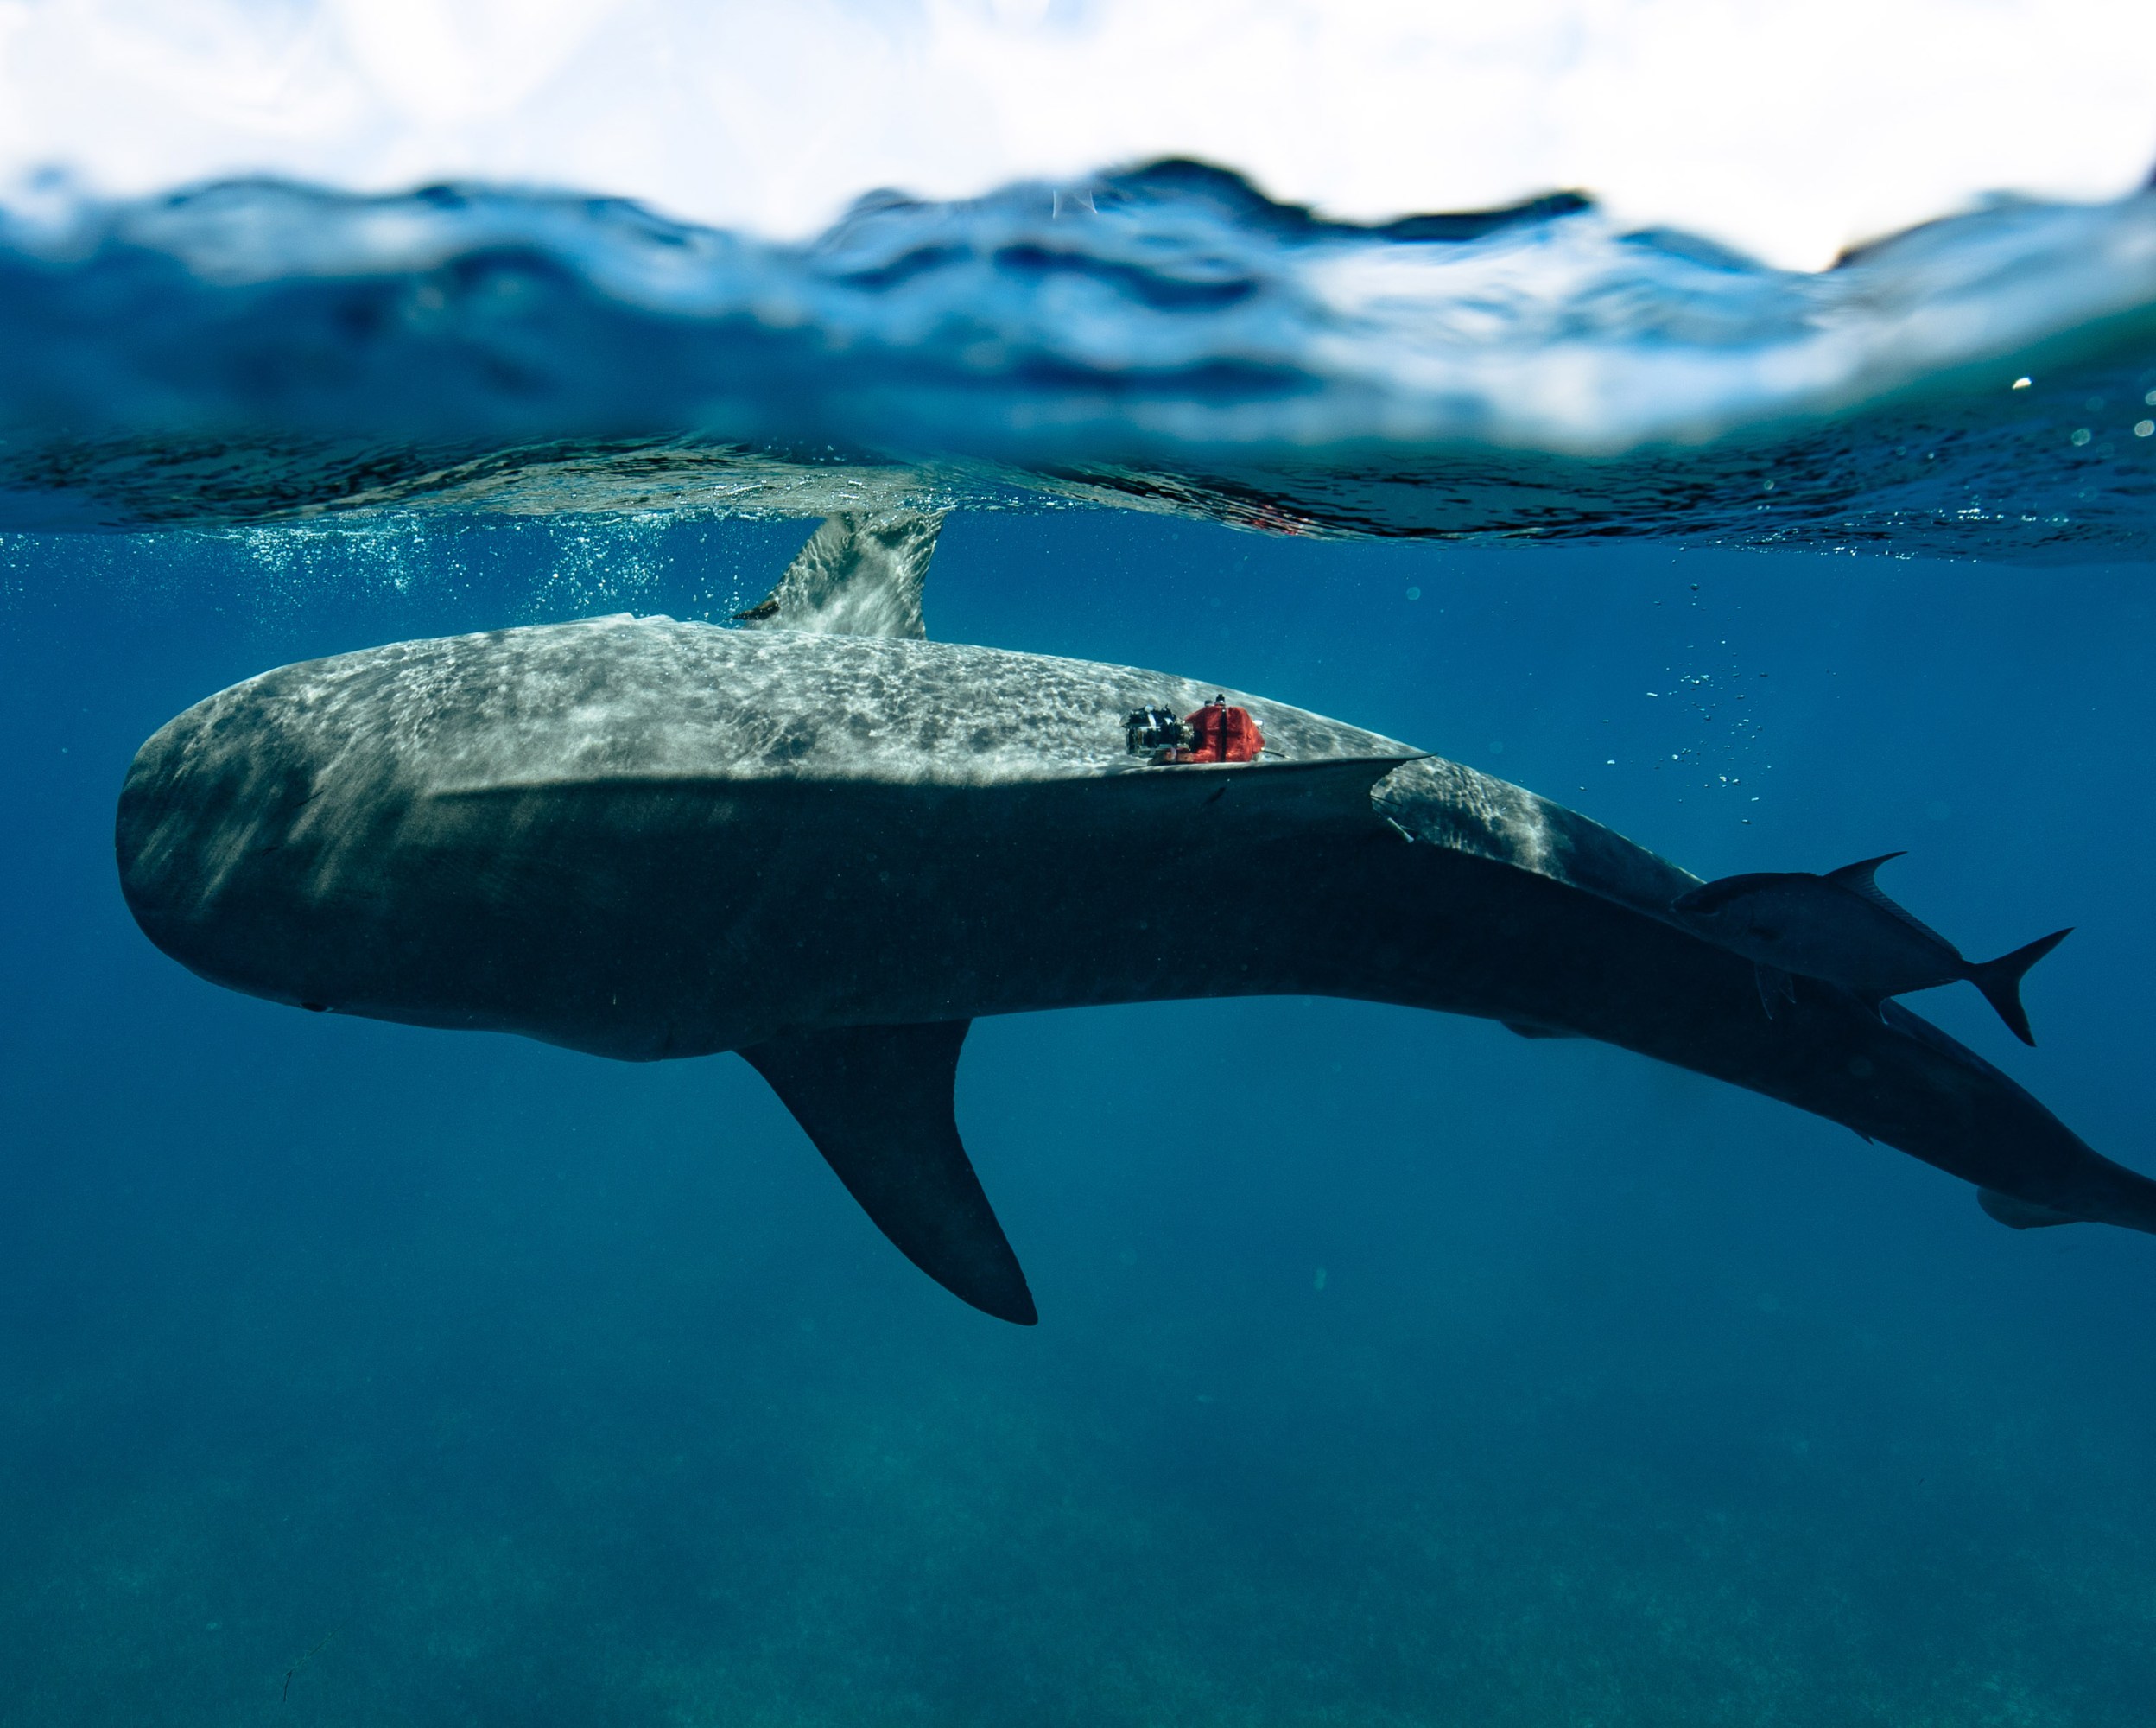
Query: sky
{"type": "Point", "coordinates": [1789, 128]}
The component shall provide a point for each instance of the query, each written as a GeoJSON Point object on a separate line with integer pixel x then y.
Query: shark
{"type": "Point", "coordinates": [821, 839]}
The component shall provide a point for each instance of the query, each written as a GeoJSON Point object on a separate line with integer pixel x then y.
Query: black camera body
{"type": "Point", "coordinates": [1154, 728]}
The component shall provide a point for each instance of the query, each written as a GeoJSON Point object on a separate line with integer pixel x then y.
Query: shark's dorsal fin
{"type": "Point", "coordinates": [1857, 879]}
{"type": "Point", "coordinates": [877, 1101]}
{"type": "Point", "coordinates": [858, 574]}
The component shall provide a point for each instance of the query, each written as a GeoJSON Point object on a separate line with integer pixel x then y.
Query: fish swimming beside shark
{"type": "Point", "coordinates": [830, 844]}
{"type": "Point", "coordinates": [1842, 929]}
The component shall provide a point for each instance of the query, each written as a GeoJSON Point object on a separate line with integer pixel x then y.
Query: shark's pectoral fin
{"type": "Point", "coordinates": [877, 1101]}
{"type": "Point", "coordinates": [1776, 987]}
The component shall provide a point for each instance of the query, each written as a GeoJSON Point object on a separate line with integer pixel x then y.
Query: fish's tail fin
{"type": "Point", "coordinates": [2000, 980]}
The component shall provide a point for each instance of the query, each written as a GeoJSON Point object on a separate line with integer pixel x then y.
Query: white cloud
{"type": "Point", "coordinates": [1787, 127]}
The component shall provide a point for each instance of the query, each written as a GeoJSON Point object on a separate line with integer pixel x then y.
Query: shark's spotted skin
{"type": "Point", "coordinates": [646, 838]}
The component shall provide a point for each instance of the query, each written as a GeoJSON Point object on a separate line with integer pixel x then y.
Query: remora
{"type": "Point", "coordinates": [833, 851]}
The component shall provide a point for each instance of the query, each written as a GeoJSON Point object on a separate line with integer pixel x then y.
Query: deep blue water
{"type": "Point", "coordinates": [1391, 1369]}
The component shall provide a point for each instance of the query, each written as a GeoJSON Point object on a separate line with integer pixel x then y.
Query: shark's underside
{"type": "Point", "coordinates": [832, 852]}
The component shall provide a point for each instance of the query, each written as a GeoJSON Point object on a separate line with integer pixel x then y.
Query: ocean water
{"type": "Point", "coordinates": [1391, 1369]}
{"type": "Point", "coordinates": [1164, 337]}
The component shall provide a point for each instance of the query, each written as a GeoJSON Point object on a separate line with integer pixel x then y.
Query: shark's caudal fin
{"type": "Point", "coordinates": [2000, 980]}
{"type": "Point", "coordinates": [859, 575]}
{"type": "Point", "coordinates": [877, 1101]}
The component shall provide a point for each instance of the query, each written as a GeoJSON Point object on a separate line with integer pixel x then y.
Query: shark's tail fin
{"type": "Point", "coordinates": [2000, 980]}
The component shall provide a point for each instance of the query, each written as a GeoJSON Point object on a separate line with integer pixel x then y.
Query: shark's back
{"type": "Point", "coordinates": [623, 699]}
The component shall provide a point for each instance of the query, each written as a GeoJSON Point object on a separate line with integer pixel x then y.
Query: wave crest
{"type": "Point", "coordinates": [1165, 336]}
